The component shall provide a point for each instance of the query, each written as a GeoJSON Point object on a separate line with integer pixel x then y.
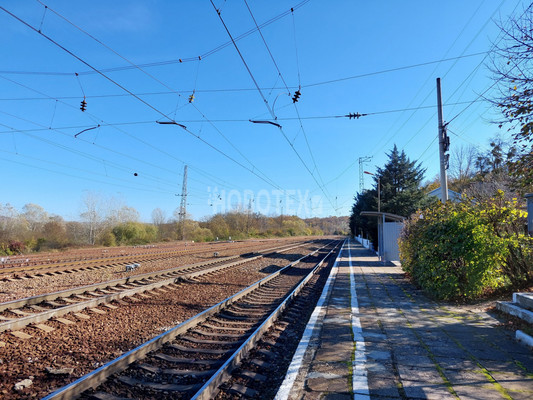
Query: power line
{"type": "Point", "coordinates": [171, 89]}
{"type": "Point", "coordinates": [456, 59]}
{"type": "Point", "coordinates": [265, 100]}
{"type": "Point", "coordinates": [310, 117]}
{"type": "Point", "coordinates": [103, 123]}
{"type": "Point", "coordinates": [166, 62]}
{"type": "Point", "coordinates": [287, 88]}
{"type": "Point", "coordinates": [141, 100]}
{"type": "Point", "coordinates": [184, 91]}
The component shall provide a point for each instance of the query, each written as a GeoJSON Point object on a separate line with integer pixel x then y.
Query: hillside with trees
{"type": "Point", "coordinates": [108, 223]}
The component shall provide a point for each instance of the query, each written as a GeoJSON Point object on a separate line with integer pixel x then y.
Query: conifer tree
{"type": "Point", "coordinates": [400, 193]}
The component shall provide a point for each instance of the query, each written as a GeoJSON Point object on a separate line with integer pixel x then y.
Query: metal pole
{"type": "Point", "coordinates": [379, 195]}
{"type": "Point", "coordinates": [529, 198]}
{"type": "Point", "coordinates": [443, 179]}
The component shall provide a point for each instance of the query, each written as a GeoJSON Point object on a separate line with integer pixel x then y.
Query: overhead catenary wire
{"type": "Point", "coordinates": [267, 105]}
{"type": "Point", "coordinates": [287, 88]}
{"type": "Point", "coordinates": [176, 60]}
{"type": "Point", "coordinates": [138, 98]}
{"type": "Point", "coordinates": [103, 123]}
{"type": "Point", "coordinates": [310, 117]}
{"type": "Point", "coordinates": [456, 59]}
{"type": "Point", "coordinates": [223, 90]}
{"type": "Point", "coordinates": [191, 97]}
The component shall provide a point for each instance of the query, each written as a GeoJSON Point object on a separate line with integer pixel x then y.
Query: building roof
{"type": "Point", "coordinates": [393, 217]}
{"type": "Point", "coordinates": [451, 194]}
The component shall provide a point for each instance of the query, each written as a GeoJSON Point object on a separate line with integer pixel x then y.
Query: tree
{"type": "Point", "coordinates": [54, 232]}
{"type": "Point", "coordinates": [9, 218]}
{"type": "Point", "coordinates": [462, 166]}
{"type": "Point", "coordinates": [400, 192]}
{"type": "Point", "coordinates": [218, 227]}
{"type": "Point", "coordinates": [126, 214]}
{"type": "Point", "coordinates": [512, 65]}
{"type": "Point", "coordinates": [93, 216]}
{"type": "Point", "coordinates": [360, 225]}
{"type": "Point", "coordinates": [158, 217]}
{"type": "Point", "coordinates": [35, 215]}
{"type": "Point", "coordinates": [400, 181]}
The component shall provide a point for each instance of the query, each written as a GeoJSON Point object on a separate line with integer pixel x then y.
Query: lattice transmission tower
{"type": "Point", "coordinates": [183, 204]}
{"type": "Point", "coordinates": [362, 161]}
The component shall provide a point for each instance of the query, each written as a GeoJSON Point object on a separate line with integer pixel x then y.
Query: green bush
{"type": "Point", "coordinates": [465, 250]}
{"type": "Point", "coordinates": [134, 233]}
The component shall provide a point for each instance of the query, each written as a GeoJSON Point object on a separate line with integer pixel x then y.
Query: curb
{"type": "Point", "coordinates": [524, 338]}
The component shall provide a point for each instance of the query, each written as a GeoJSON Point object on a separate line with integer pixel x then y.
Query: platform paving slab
{"type": "Point", "coordinates": [415, 348]}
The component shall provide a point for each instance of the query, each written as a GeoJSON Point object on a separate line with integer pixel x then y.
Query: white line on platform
{"type": "Point", "coordinates": [360, 380]}
{"type": "Point", "coordinates": [297, 359]}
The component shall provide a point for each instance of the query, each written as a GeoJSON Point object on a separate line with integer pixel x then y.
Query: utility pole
{"type": "Point", "coordinates": [444, 145]}
{"type": "Point", "coordinates": [362, 160]}
{"type": "Point", "coordinates": [183, 204]}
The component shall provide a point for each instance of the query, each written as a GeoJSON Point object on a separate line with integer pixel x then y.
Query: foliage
{"type": "Point", "coordinates": [133, 233]}
{"type": "Point", "coordinates": [400, 193]}
{"type": "Point", "coordinates": [513, 71]}
{"type": "Point", "coordinates": [467, 249]}
{"type": "Point", "coordinates": [109, 239]}
{"type": "Point", "coordinates": [329, 225]}
{"type": "Point", "coordinates": [107, 223]}
{"type": "Point", "coordinates": [16, 247]}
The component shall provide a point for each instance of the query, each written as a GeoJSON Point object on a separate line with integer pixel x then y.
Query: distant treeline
{"type": "Point", "coordinates": [34, 229]}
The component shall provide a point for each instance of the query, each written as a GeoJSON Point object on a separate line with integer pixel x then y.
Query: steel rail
{"type": "Point", "coordinates": [19, 323]}
{"type": "Point", "coordinates": [98, 376]}
{"type": "Point", "coordinates": [210, 388]}
{"type": "Point", "coordinates": [101, 261]}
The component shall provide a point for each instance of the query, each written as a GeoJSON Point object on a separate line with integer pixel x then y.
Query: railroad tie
{"type": "Point", "coordinates": [266, 353]}
{"type": "Point", "coordinates": [241, 390]}
{"type": "Point", "coordinates": [22, 313]}
{"type": "Point", "coordinates": [228, 314]}
{"type": "Point", "coordinates": [20, 335]}
{"type": "Point", "coordinates": [38, 308]}
{"type": "Point", "coordinates": [175, 372]}
{"type": "Point", "coordinates": [233, 321]}
{"type": "Point", "coordinates": [215, 342]}
{"type": "Point", "coordinates": [215, 334]}
{"type": "Point", "coordinates": [246, 374]}
{"type": "Point", "coordinates": [107, 396]}
{"type": "Point", "coordinates": [261, 363]}
{"type": "Point", "coordinates": [44, 327]}
{"type": "Point", "coordinates": [177, 360]}
{"type": "Point", "coordinates": [53, 303]}
{"type": "Point", "coordinates": [167, 387]}
{"type": "Point", "coordinates": [197, 350]}
{"type": "Point", "coordinates": [234, 329]}
{"type": "Point", "coordinates": [82, 316]}
{"type": "Point", "coordinates": [65, 321]}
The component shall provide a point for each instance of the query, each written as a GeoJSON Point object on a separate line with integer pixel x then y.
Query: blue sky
{"type": "Point", "coordinates": [347, 57]}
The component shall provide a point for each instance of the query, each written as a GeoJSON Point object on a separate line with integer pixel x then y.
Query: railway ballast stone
{"type": "Point", "coordinates": [23, 384]}
{"type": "Point", "coordinates": [59, 371]}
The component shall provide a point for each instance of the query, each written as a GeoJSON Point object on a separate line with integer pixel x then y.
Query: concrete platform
{"type": "Point", "coordinates": [375, 336]}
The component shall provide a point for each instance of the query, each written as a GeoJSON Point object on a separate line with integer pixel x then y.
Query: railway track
{"type": "Point", "coordinates": [194, 358]}
{"type": "Point", "coordinates": [17, 314]}
{"type": "Point", "coordinates": [39, 268]}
